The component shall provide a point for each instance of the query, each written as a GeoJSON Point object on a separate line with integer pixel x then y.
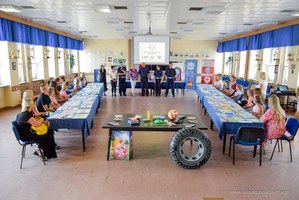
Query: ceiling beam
{"type": "Point", "coordinates": [37, 25]}
{"type": "Point", "coordinates": [262, 30]}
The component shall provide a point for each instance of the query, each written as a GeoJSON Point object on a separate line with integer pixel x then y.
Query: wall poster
{"type": "Point", "coordinates": [207, 71]}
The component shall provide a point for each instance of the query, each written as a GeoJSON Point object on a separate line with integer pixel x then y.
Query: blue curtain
{"type": "Point", "coordinates": [220, 47]}
{"type": "Point", "coordinates": [287, 36]}
{"type": "Point", "coordinates": [17, 32]}
{"type": "Point", "coordinates": [232, 45]}
{"type": "Point", "coordinates": [282, 37]}
{"type": "Point", "coordinates": [52, 39]}
{"type": "Point", "coordinates": [295, 35]}
{"type": "Point", "coordinates": [6, 30]}
{"type": "Point", "coordinates": [62, 41]}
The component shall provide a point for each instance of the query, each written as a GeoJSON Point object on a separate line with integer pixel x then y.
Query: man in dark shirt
{"type": "Point", "coordinates": [144, 73]}
{"type": "Point", "coordinates": [121, 72]}
{"type": "Point", "coordinates": [170, 74]}
{"type": "Point", "coordinates": [43, 102]}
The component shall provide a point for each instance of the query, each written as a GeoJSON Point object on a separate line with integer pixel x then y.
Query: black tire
{"type": "Point", "coordinates": [193, 135]}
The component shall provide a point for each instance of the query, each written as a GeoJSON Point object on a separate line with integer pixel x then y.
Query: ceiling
{"type": "Point", "coordinates": [216, 20]}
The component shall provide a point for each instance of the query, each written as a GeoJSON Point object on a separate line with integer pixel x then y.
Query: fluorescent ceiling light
{"type": "Point", "coordinates": [10, 8]}
{"type": "Point", "coordinates": [103, 9]}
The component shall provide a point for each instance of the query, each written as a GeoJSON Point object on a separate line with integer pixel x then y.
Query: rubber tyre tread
{"type": "Point", "coordinates": [176, 140]}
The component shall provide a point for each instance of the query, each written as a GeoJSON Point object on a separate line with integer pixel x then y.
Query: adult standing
{"type": "Point", "coordinates": [133, 73]}
{"type": "Point", "coordinates": [102, 74]}
{"type": "Point", "coordinates": [121, 72]}
{"type": "Point", "coordinates": [158, 80]}
{"type": "Point", "coordinates": [144, 73]}
{"type": "Point", "coordinates": [113, 81]}
{"type": "Point", "coordinates": [170, 74]}
{"type": "Point", "coordinates": [263, 84]}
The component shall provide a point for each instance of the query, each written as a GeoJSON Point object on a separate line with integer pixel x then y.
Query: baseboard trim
{"type": "Point", "coordinates": [9, 107]}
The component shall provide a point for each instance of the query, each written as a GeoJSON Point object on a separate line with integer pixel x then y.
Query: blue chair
{"type": "Point", "coordinates": [245, 84]}
{"type": "Point", "coordinates": [292, 127]}
{"type": "Point", "coordinates": [240, 81]}
{"type": "Point", "coordinates": [248, 136]}
{"type": "Point", "coordinates": [294, 104]}
{"type": "Point", "coordinates": [23, 143]}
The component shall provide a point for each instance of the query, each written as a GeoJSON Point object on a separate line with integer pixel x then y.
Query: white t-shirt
{"type": "Point", "coordinates": [113, 74]}
{"type": "Point", "coordinates": [219, 85]}
{"type": "Point", "coordinates": [264, 89]}
{"type": "Point", "coordinates": [238, 93]}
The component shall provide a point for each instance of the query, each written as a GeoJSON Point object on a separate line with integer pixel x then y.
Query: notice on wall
{"type": "Point", "coordinates": [179, 71]}
{"type": "Point", "coordinates": [190, 74]}
{"type": "Point", "coordinates": [207, 71]}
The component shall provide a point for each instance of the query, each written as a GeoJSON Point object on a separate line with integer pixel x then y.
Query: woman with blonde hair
{"type": "Point", "coordinates": [263, 84]}
{"type": "Point", "coordinates": [274, 119]}
{"type": "Point", "coordinates": [25, 120]}
{"type": "Point", "coordinates": [29, 94]}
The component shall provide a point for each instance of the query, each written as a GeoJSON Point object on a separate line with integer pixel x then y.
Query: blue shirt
{"type": "Point", "coordinates": [170, 73]}
{"type": "Point", "coordinates": [158, 73]}
{"type": "Point", "coordinates": [143, 72]}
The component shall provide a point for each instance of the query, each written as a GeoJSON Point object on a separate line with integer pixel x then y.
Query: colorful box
{"type": "Point", "coordinates": [121, 147]}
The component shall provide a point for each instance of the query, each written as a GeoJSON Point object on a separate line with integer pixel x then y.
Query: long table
{"type": "Point", "coordinates": [78, 112]}
{"type": "Point", "coordinates": [225, 114]}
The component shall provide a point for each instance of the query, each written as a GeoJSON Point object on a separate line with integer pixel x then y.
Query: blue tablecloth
{"type": "Point", "coordinates": [226, 115]}
{"type": "Point", "coordinates": [78, 111]}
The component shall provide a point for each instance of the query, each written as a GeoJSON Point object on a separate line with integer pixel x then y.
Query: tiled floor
{"type": "Point", "coordinates": [151, 174]}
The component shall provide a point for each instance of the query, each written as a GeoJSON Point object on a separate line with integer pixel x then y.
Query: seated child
{"type": "Point", "coordinates": [258, 109]}
{"type": "Point", "coordinates": [238, 94]}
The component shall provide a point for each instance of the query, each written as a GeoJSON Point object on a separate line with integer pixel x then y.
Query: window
{"type": "Point", "coordinates": [269, 62]}
{"type": "Point", "coordinates": [21, 66]}
{"type": "Point", "coordinates": [73, 61]}
{"type": "Point", "coordinates": [218, 63]}
{"type": "Point", "coordinates": [228, 65]}
{"type": "Point", "coordinates": [49, 55]}
{"type": "Point", "coordinates": [4, 64]}
{"type": "Point", "coordinates": [286, 65]}
{"type": "Point", "coordinates": [85, 61]}
{"type": "Point", "coordinates": [37, 65]}
{"type": "Point", "coordinates": [242, 63]}
{"type": "Point", "coordinates": [254, 57]}
{"type": "Point", "coordinates": [61, 69]}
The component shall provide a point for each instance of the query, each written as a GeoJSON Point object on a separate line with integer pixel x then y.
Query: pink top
{"type": "Point", "coordinates": [63, 94]}
{"type": "Point", "coordinates": [54, 101]}
{"type": "Point", "coordinates": [274, 129]}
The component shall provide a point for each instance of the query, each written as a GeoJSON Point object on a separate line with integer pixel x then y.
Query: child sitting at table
{"type": "Point", "coordinates": [233, 86]}
{"type": "Point", "coordinates": [238, 94]}
{"type": "Point", "coordinates": [54, 102]}
{"type": "Point", "coordinates": [250, 100]}
{"type": "Point", "coordinates": [274, 120]}
{"type": "Point", "coordinates": [218, 84]}
{"type": "Point", "coordinates": [258, 109]}
{"type": "Point", "coordinates": [63, 92]}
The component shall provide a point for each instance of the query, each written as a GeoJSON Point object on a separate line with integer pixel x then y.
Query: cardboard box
{"type": "Point", "coordinates": [121, 147]}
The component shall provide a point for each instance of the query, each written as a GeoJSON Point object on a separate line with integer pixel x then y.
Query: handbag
{"type": "Point", "coordinates": [39, 130]}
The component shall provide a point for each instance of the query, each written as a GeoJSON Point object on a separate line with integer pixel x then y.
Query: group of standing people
{"type": "Point", "coordinates": [143, 74]}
